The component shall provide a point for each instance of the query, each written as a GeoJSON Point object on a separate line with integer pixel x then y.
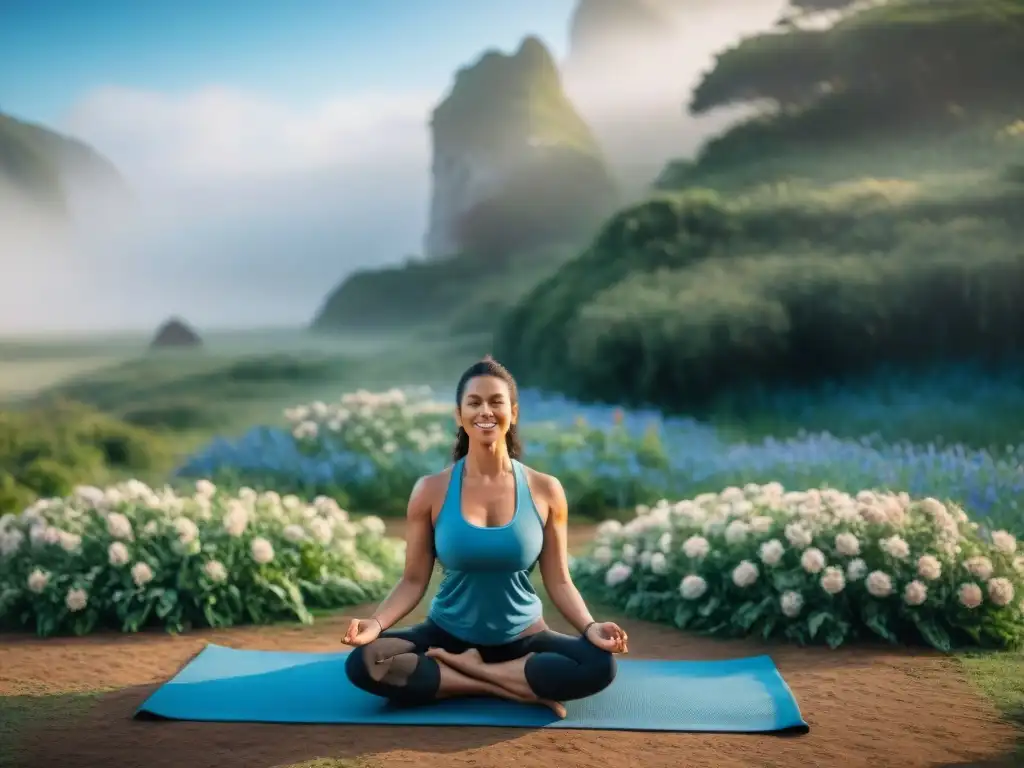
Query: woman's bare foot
{"type": "Point", "coordinates": [508, 676]}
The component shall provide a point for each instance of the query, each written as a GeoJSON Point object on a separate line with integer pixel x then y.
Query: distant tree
{"type": "Point", "coordinates": [918, 51]}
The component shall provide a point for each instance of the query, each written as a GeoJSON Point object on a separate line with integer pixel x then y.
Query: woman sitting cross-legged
{"type": "Point", "coordinates": [489, 520]}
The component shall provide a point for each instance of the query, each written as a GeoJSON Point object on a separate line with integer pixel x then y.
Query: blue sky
{"type": "Point", "coordinates": [54, 51]}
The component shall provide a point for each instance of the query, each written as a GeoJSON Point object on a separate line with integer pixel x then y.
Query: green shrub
{"type": "Point", "coordinates": [46, 451]}
{"type": "Point", "coordinates": [682, 299]}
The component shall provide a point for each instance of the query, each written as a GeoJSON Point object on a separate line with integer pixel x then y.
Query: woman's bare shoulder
{"type": "Point", "coordinates": [428, 493]}
{"type": "Point", "coordinates": [541, 484]}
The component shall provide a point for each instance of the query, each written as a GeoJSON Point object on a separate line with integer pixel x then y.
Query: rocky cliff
{"type": "Point", "coordinates": [506, 123]}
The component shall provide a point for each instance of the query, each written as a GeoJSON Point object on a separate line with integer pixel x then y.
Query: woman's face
{"type": "Point", "coordinates": [486, 411]}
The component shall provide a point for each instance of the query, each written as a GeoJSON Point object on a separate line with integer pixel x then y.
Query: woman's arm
{"type": "Point", "coordinates": [419, 557]}
{"type": "Point", "coordinates": [554, 557]}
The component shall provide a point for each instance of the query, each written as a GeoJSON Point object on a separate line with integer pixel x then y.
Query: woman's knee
{"type": "Point", "coordinates": [602, 668]}
{"type": "Point", "coordinates": [358, 667]}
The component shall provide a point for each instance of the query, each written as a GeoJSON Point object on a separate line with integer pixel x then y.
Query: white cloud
{"type": "Point", "coordinates": [220, 134]}
{"type": "Point", "coordinates": [246, 210]}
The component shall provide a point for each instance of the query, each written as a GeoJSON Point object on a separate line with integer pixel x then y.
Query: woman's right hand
{"type": "Point", "coordinates": [361, 632]}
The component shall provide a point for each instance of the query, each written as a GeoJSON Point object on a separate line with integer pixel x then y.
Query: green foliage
{"type": "Point", "coordinates": [682, 298]}
{"type": "Point", "coordinates": [923, 53]}
{"type": "Point", "coordinates": [46, 451]}
{"type": "Point", "coordinates": [129, 557]}
{"type": "Point", "coordinates": [814, 567]}
{"type": "Point", "coordinates": [183, 391]}
{"type": "Point", "coordinates": [467, 293]}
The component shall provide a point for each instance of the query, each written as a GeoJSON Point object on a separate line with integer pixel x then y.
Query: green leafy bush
{"type": "Point", "coordinates": [46, 450]}
{"type": "Point", "coordinates": [684, 298]}
{"type": "Point", "coordinates": [815, 566]}
{"type": "Point", "coordinates": [129, 556]}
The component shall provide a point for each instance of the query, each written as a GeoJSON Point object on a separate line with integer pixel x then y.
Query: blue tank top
{"type": "Point", "coordinates": [486, 596]}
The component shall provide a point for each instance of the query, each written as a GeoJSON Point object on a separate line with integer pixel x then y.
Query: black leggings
{"type": "Point", "coordinates": [394, 665]}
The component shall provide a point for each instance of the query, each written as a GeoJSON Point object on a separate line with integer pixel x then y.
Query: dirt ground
{"type": "Point", "coordinates": [875, 707]}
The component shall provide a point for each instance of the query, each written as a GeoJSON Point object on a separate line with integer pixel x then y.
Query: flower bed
{"type": "Point", "coordinates": [131, 556]}
{"type": "Point", "coordinates": [368, 449]}
{"type": "Point", "coordinates": [816, 566]}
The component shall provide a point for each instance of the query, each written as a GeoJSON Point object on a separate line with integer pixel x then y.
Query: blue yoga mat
{"type": "Point", "coordinates": [228, 685]}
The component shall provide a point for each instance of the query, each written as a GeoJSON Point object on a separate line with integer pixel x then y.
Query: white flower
{"type": "Point", "coordinates": [979, 567]}
{"type": "Point", "coordinates": [305, 430]}
{"type": "Point", "coordinates": [696, 547]}
{"type": "Point", "coordinates": [347, 547]}
{"type": "Point", "coordinates": [856, 569]}
{"type": "Point", "coordinates": [659, 563]}
{"type": "Point", "coordinates": [933, 507]}
{"type": "Point", "coordinates": [321, 530]}
{"type": "Point", "coordinates": [373, 525]}
{"type": "Point", "coordinates": [645, 558]}
{"type": "Point", "coordinates": [117, 554]}
{"type": "Point", "coordinates": [1000, 591]}
{"type": "Point", "coordinates": [812, 560]}
{"type": "Point", "coordinates": [847, 544]}
{"type": "Point", "coordinates": [603, 555]}
{"type": "Point", "coordinates": [929, 568]}
{"type": "Point", "coordinates": [761, 524]}
{"type": "Point", "coordinates": [617, 574]}
{"type": "Point", "coordinates": [915, 593]}
{"type": "Point", "coordinates": [187, 530]}
{"type": "Point", "coordinates": [895, 547]}
{"type": "Point", "coordinates": [293, 533]}
{"type": "Point", "coordinates": [609, 529]}
{"type": "Point", "coordinates": [771, 552]}
{"type": "Point", "coordinates": [76, 600]}
{"type": "Point", "coordinates": [692, 587]}
{"type": "Point", "coordinates": [38, 580]}
{"type": "Point", "coordinates": [215, 571]}
{"type": "Point", "coordinates": [665, 542]}
{"type": "Point", "coordinates": [10, 542]}
{"type": "Point", "coordinates": [1018, 563]}
{"type": "Point", "coordinates": [236, 520]}
{"type": "Point", "coordinates": [1004, 542]}
{"type": "Point", "coordinates": [205, 488]}
{"type": "Point", "coordinates": [142, 574]}
{"type": "Point", "coordinates": [119, 526]}
{"type": "Point", "coordinates": [736, 532]}
{"type": "Point", "coordinates": [832, 580]}
{"type": "Point", "coordinates": [262, 551]}
{"type": "Point", "coordinates": [745, 574]}
{"type": "Point", "coordinates": [791, 603]}
{"type": "Point", "coordinates": [629, 554]}
{"type": "Point", "coordinates": [798, 536]}
{"type": "Point", "coordinates": [70, 542]}
{"type": "Point", "coordinates": [368, 572]}
{"type": "Point", "coordinates": [879, 584]}
{"type": "Point", "coordinates": [969, 595]}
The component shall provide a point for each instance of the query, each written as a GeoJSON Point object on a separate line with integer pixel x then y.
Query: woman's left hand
{"type": "Point", "coordinates": [608, 636]}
